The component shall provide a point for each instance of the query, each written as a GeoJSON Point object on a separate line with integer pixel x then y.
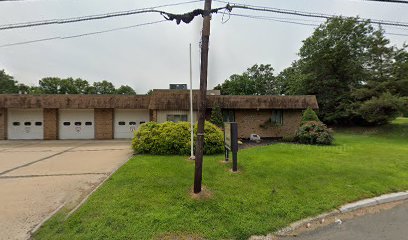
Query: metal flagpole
{"type": "Point", "coordinates": [191, 109]}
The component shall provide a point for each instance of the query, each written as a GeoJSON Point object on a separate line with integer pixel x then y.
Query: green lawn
{"type": "Point", "coordinates": [150, 196]}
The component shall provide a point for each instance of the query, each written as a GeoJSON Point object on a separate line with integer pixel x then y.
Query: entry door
{"type": "Point", "coordinates": [128, 121]}
{"type": "Point", "coordinates": [25, 124]}
{"type": "Point", "coordinates": [76, 124]}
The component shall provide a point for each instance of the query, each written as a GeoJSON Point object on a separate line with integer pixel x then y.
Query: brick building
{"type": "Point", "coordinates": [52, 117]}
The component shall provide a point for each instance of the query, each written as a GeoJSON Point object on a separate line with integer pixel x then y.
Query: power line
{"type": "Point", "coordinates": [306, 14]}
{"type": "Point", "coordinates": [80, 35]}
{"type": "Point", "coordinates": [94, 17]}
{"type": "Point", "coordinates": [296, 21]}
{"type": "Point", "coordinates": [275, 19]}
{"type": "Point", "coordinates": [388, 1]}
{"type": "Point", "coordinates": [187, 17]}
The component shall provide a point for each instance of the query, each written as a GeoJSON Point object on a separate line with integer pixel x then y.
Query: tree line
{"type": "Point", "coordinates": [356, 75]}
{"type": "Point", "coordinates": [55, 85]}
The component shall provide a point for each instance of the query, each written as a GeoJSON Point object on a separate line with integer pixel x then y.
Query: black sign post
{"type": "Point", "coordinates": [231, 143]}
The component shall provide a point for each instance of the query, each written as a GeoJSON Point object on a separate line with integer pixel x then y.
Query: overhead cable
{"type": "Point", "coordinates": [79, 35]}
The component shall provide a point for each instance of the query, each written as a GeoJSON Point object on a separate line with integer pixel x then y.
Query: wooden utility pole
{"type": "Point", "coordinates": [205, 39]}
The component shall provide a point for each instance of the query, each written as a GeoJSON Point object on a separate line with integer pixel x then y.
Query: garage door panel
{"type": "Point", "coordinates": [76, 124]}
{"type": "Point", "coordinates": [25, 124]}
{"type": "Point", "coordinates": [128, 121]}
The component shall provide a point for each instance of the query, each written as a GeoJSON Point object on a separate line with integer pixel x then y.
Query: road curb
{"type": "Point", "coordinates": [303, 222]}
{"type": "Point", "coordinates": [35, 229]}
{"type": "Point", "coordinates": [386, 198]}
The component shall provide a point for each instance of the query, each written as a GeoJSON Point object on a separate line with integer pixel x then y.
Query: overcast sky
{"type": "Point", "coordinates": [152, 57]}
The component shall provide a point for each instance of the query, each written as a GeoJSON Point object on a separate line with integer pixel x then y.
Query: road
{"type": "Point", "coordinates": [390, 224]}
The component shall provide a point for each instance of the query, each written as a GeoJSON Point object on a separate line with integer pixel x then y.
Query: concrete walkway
{"type": "Point", "coordinates": [390, 224]}
{"type": "Point", "coordinates": [37, 177]}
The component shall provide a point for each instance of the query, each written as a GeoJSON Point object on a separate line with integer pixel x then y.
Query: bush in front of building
{"type": "Point", "coordinates": [171, 138]}
{"type": "Point", "coordinates": [309, 115]}
{"type": "Point", "coordinates": [313, 131]}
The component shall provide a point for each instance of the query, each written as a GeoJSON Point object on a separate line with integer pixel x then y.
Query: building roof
{"type": "Point", "coordinates": [74, 101]}
{"type": "Point", "coordinates": [180, 100]}
{"type": "Point", "coordinates": [159, 100]}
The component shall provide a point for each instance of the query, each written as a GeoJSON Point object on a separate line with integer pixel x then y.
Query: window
{"type": "Point", "coordinates": [277, 117]}
{"type": "Point", "coordinates": [27, 124]}
{"type": "Point", "coordinates": [67, 124]}
{"type": "Point", "coordinates": [88, 123]}
{"type": "Point", "coordinates": [228, 115]}
{"type": "Point", "coordinates": [38, 124]}
{"type": "Point", "coordinates": [121, 123]}
{"type": "Point", "coordinates": [132, 123]}
{"type": "Point", "coordinates": [77, 123]}
{"type": "Point", "coordinates": [16, 124]}
{"type": "Point", "coordinates": [177, 118]}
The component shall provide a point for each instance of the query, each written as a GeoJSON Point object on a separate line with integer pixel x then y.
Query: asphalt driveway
{"type": "Point", "coordinates": [38, 177]}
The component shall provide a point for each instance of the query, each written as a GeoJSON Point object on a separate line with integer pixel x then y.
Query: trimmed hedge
{"type": "Point", "coordinates": [174, 139]}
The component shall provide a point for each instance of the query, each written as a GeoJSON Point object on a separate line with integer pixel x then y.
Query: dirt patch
{"type": "Point", "coordinates": [205, 194]}
{"type": "Point", "coordinates": [179, 237]}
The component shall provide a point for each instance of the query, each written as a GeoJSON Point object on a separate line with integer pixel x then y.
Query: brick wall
{"type": "Point", "coordinates": [249, 122]}
{"type": "Point", "coordinates": [3, 123]}
{"type": "Point", "coordinates": [50, 123]}
{"type": "Point", "coordinates": [103, 123]}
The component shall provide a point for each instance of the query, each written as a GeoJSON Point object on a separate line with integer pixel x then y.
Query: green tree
{"type": "Point", "coordinates": [104, 87]}
{"type": "Point", "coordinates": [125, 90]}
{"type": "Point", "coordinates": [81, 86]}
{"type": "Point", "coordinates": [400, 72]}
{"type": "Point", "coordinates": [216, 117]}
{"type": "Point", "coordinates": [345, 63]}
{"type": "Point", "coordinates": [382, 110]}
{"type": "Point", "coordinates": [7, 83]}
{"type": "Point", "coordinates": [56, 85]}
{"type": "Point", "coordinates": [290, 80]}
{"type": "Point", "coordinates": [309, 115]}
{"type": "Point", "coordinates": [50, 85]}
{"type": "Point", "coordinates": [257, 80]}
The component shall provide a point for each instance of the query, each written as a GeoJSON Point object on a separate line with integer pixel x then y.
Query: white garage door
{"type": "Point", "coordinates": [127, 121]}
{"type": "Point", "coordinates": [76, 124]}
{"type": "Point", "coordinates": [25, 124]}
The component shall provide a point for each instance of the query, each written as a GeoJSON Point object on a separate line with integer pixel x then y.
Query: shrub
{"type": "Point", "coordinates": [309, 115]}
{"type": "Point", "coordinates": [382, 110]}
{"type": "Point", "coordinates": [216, 117]}
{"type": "Point", "coordinates": [314, 132]}
{"type": "Point", "coordinates": [174, 138]}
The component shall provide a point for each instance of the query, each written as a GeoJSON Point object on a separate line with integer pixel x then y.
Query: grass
{"type": "Point", "coordinates": [149, 198]}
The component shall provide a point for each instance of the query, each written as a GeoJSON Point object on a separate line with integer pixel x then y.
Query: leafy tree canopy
{"type": "Point", "coordinates": [125, 90]}
{"type": "Point", "coordinates": [7, 83]}
{"type": "Point", "coordinates": [56, 85]}
{"type": "Point", "coordinates": [257, 80]}
{"type": "Point", "coordinates": [346, 63]}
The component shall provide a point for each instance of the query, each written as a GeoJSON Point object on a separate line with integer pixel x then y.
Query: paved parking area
{"type": "Point", "coordinates": [37, 177]}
